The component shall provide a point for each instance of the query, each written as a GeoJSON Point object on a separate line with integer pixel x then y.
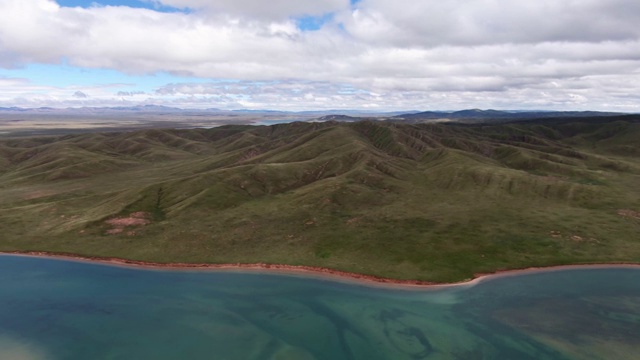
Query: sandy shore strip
{"type": "Point", "coordinates": [320, 272]}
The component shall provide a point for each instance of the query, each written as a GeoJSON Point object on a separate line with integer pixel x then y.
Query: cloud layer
{"type": "Point", "coordinates": [561, 54]}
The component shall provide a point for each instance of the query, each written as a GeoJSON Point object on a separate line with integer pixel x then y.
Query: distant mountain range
{"type": "Point", "coordinates": [415, 116]}
{"type": "Point", "coordinates": [137, 108]}
{"type": "Point", "coordinates": [477, 114]}
{"type": "Point", "coordinates": [160, 109]}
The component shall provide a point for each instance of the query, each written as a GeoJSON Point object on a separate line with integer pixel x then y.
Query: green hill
{"type": "Point", "coordinates": [432, 202]}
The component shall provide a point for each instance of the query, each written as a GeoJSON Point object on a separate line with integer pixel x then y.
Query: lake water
{"type": "Point", "coordinates": [55, 309]}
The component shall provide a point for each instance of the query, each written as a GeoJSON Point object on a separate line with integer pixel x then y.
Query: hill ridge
{"type": "Point", "coordinates": [435, 202]}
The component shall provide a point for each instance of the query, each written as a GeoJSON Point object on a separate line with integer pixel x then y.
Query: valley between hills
{"type": "Point", "coordinates": [433, 202]}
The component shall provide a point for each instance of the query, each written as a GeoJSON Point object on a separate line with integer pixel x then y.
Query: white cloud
{"type": "Point", "coordinates": [129, 93]}
{"type": "Point", "coordinates": [610, 93]}
{"type": "Point", "coordinates": [482, 22]}
{"type": "Point", "coordinates": [440, 53]}
{"type": "Point", "coordinates": [273, 9]}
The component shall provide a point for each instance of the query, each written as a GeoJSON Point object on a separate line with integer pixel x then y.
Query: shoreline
{"type": "Point", "coordinates": [325, 273]}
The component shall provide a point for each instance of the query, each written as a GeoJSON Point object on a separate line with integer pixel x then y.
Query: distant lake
{"type": "Point", "coordinates": [276, 121]}
{"type": "Point", "coordinates": [56, 309]}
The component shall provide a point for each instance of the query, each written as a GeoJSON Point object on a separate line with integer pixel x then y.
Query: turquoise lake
{"type": "Point", "coordinates": [56, 309]}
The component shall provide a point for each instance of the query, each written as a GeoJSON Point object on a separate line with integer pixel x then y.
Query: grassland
{"type": "Point", "coordinates": [432, 202]}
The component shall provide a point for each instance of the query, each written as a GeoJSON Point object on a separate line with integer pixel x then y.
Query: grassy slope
{"type": "Point", "coordinates": [429, 202]}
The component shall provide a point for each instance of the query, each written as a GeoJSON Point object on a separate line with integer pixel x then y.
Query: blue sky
{"type": "Point", "coordinates": [320, 54]}
{"type": "Point", "coordinates": [86, 4]}
{"type": "Point", "coordinates": [64, 75]}
{"type": "Point", "coordinates": [128, 3]}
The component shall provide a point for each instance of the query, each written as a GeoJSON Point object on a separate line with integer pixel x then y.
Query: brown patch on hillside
{"type": "Point", "coordinates": [629, 213]}
{"type": "Point", "coordinates": [573, 237]}
{"type": "Point", "coordinates": [251, 153]}
{"type": "Point", "coordinates": [139, 218]}
{"type": "Point", "coordinates": [39, 194]}
{"type": "Point", "coordinates": [353, 221]}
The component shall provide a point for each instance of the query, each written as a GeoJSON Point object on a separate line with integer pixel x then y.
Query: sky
{"type": "Point", "coordinates": [379, 55]}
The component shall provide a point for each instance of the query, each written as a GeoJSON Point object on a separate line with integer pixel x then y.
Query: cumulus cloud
{"type": "Point", "coordinates": [553, 52]}
{"type": "Point", "coordinates": [483, 22]}
{"type": "Point", "coordinates": [6, 82]}
{"type": "Point", "coordinates": [613, 93]}
{"type": "Point", "coordinates": [259, 9]}
{"type": "Point", "coordinates": [129, 93]}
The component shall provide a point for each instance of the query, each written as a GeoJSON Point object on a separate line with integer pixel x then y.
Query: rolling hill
{"type": "Point", "coordinates": [435, 202]}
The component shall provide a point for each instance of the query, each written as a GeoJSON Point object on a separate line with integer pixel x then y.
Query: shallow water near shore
{"type": "Point", "coordinates": [56, 309]}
